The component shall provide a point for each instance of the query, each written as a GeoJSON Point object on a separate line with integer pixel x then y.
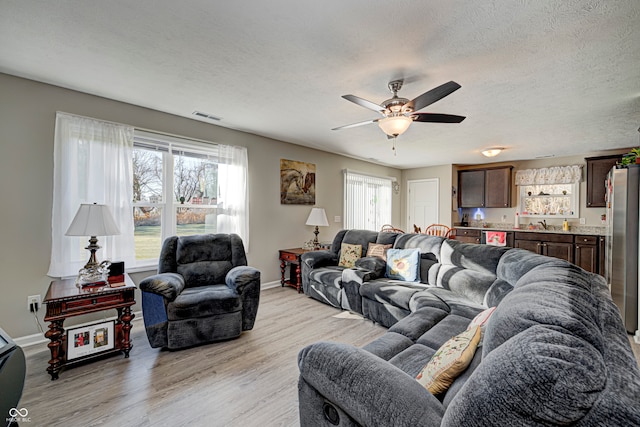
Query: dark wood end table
{"type": "Point", "coordinates": [291, 257]}
{"type": "Point", "coordinates": [64, 299]}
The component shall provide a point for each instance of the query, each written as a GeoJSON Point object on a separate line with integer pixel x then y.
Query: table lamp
{"type": "Point", "coordinates": [317, 217]}
{"type": "Point", "coordinates": [93, 220]}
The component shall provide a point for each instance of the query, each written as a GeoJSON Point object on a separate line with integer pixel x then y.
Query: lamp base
{"type": "Point", "coordinates": [93, 248]}
{"type": "Point", "coordinates": [316, 243]}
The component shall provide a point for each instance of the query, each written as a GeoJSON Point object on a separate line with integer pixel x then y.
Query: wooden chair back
{"type": "Point", "coordinates": [438, 230]}
{"type": "Point", "coordinates": [388, 228]}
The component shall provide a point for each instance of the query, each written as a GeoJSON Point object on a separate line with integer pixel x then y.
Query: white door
{"type": "Point", "coordinates": [423, 207]}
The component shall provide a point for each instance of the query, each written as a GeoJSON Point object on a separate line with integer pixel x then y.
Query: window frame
{"type": "Point", "coordinates": [170, 147]}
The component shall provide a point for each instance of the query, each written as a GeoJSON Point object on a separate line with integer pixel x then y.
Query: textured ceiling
{"type": "Point", "coordinates": [538, 77]}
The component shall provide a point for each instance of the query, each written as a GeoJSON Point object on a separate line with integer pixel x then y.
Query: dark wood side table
{"type": "Point", "coordinates": [64, 299]}
{"type": "Point", "coordinates": [291, 257]}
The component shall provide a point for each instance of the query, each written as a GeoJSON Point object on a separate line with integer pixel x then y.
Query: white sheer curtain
{"type": "Point", "coordinates": [92, 163]}
{"type": "Point", "coordinates": [552, 175]}
{"type": "Point", "coordinates": [233, 197]}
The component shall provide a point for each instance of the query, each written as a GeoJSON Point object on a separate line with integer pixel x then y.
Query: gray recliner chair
{"type": "Point", "coordinates": [203, 292]}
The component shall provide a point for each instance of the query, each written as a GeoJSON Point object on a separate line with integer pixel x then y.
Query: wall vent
{"type": "Point", "coordinates": [206, 115]}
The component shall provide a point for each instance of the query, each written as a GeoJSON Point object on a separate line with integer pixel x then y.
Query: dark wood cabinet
{"type": "Point", "coordinates": [586, 253]}
{"type": "Point", "coordinates": [484, 188]}
{"type": "Point", "coordinates": [497, 188]}
{"type": "Point", "coordinates": [467, 236]}
{"type": "Point", "coordinates": [554, 245]}
{"type": "Point", "coordinates": [471, 189]}
{"type": "Point", "coordinates": [597, 169]}
{"type": "Point", "coordinates": [602, 244]}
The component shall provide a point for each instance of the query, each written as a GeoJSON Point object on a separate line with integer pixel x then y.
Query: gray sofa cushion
{"type": "Point", "coordinates": [551, 294]}
{"type": "Point", "coordinates": [541, 376]}
{"type": "Point", "coordinates": [360, 237]}
{"type": "Point", "coordinates": [204, 301]}
{"type": "Point", "coordinates": [393, 292]}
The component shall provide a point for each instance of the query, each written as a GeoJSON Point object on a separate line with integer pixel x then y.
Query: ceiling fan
{"type": "Point", "coordinates": [398, 113]}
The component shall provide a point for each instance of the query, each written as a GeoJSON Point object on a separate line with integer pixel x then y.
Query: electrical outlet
{"type": "Point", "coordinates": [583, 221]}
{"type": "Point", "coordinates": [34, 302]}
{"type": "Point", "coordinates": [337, 219]}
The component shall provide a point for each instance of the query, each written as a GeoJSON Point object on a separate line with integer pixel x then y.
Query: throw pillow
{"type": "Point", "coordinates": [378, 249]}
{"type": "Point", "coordinates": [403, 264]}
{"type": "Point", "coordinates": [349, 254]}
{"type": "Point", "coordinates": [481, 320]}
{"type": "Point", "coordinates": [451, 359]}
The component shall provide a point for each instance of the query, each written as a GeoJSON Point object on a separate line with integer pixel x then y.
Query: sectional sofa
{"type": "Point", "coordinates": [553, 351]}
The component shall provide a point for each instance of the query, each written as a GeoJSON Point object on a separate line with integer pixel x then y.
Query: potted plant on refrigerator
{"type": "Point", "coordinates": [632, 157]}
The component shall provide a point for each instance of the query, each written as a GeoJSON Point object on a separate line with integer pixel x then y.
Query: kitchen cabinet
{"type": "Point", "coordinates": [467, 235]}
{"type": "Point", "coordinates": [485, 188]}
{"type": "Point", "coordinates": [602, 244]}
{"type": "Point", "coordinates": [553, 245]}
{"type": "Point", "coordinates": [586, 253]}
{"type": "Point", "coordinates": [471, 189]}
{"type": "Point", "coordinates": [597, 170]}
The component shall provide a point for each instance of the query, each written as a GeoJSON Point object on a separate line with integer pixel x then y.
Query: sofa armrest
{"type": "Point", "coordinates": [246, 282]}
{"type": "Point", "coordinates": [317, 259]}
{"type": "Point", "coordinates": [376, 265]}
{"type": "Point", "coordinates": [238, 278]}
{"type": "Point", "coordinates": [169, 285]}
{"type": "Point", "coordinates": [369, 389]}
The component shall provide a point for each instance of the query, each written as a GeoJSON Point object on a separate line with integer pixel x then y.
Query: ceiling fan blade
{"type": "Point", "coordinates": [353, 125]}
{"type": "Point", "coordinates": [437, 118]}
{"type": "Point", "coordinates": [364, 103]}
{"type": "Point", "coordinates": [433, 95]}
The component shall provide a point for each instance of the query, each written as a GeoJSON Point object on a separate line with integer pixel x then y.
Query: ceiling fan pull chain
{"type": "Point", "coordinates": [395, 153]}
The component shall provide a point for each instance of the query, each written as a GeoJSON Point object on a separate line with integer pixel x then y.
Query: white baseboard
{"type": "Point", "coordinates": [636, 337]}
{"type": "Point", "coordinates": [270, 285]}
{"type": "Point", "coordinates": [35, 339]}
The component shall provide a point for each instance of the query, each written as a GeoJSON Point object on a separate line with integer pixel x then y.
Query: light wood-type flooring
{"type": "Point", "coordinates": [249, 381]}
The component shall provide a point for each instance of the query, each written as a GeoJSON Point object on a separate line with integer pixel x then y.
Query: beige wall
{"type": "Point", "coordinates": [27, 118]}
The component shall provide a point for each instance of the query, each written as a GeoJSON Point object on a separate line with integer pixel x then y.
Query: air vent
{"type": "Point", "coordinates": [206, 116]}
{"type": "Point", "coordinates": [546, 156]}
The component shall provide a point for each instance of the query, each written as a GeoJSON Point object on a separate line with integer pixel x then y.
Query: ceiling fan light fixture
{"type": "Point", "coordinates": [395, 125]}
{"type": "Point", "coordinates": [492, 152]}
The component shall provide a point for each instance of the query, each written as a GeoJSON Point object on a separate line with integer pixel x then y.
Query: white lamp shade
{"type": "Point", "coordinates": [395, 125]}
{"type": "Point", "coordinates": [93, 220]}
{"type": "Point", "coordinates": [318, 217]}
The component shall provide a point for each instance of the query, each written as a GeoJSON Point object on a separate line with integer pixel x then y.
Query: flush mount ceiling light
{"type": "Point", "coordinates": [492, 152]}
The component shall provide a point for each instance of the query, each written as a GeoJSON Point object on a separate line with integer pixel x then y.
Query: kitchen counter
{"type": "Point", "coordinates": [579, 229]}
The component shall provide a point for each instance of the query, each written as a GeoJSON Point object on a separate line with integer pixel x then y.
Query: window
{"type": "Point", "coordinates": [367, 201]}
{"type": "Point", "coordinates": [175, 191]}
{"type": "Point", "coordinates": [549, 201]}
{"type": "Point", "coordinates": [183, 187]}
{"type": "Point", "coordinates": [155, 185]}
{"type": "Point", "coordinates": [549, 192]}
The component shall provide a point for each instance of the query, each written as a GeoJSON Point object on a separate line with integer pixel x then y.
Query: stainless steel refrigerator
{"type": "Point", "coordinates": [621, 268]}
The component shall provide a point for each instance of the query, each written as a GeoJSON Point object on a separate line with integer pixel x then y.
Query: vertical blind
{"type": "Point", "coordinates": [367, 201]}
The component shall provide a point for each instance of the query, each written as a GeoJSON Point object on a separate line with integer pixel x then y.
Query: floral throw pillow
{"type": "Point", "coordinates": [349, 254]}
{"type": "Point", "coordinates": [378, 249]}
{"type": "Point", "coordinates": [449, 361]}
{"type": "Point", "coordinates": [403, 264]}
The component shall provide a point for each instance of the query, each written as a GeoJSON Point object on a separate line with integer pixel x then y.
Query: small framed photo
{"type": "Point", "coordinates": [91, 339]}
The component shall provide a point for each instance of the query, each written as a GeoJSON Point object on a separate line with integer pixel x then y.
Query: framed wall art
{"type": "Point", "coordinates": [297, 183]}
{"type": "Point", "coordinates": [91, 339]}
